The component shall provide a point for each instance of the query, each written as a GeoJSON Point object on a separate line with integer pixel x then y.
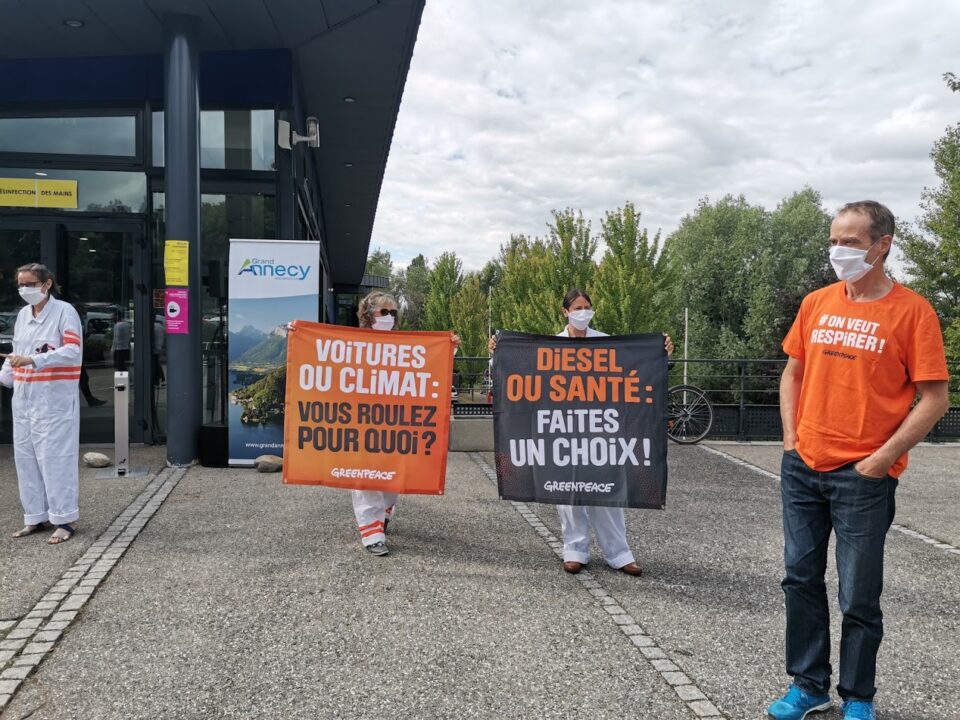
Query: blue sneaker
{"type": "Point", "coordinates": [797, 704]}
{"type": "Point", "coordinates": [858, 710]}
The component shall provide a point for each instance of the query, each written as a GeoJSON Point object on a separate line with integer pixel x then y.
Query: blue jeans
{"type": "Point", "coordinates": [860, 511]}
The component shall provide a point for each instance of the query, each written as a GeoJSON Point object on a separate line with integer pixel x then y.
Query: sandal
{"type": "Point", "coordinates": [31, 529]}
{"type": "Point", "coordinates": [57, 538]}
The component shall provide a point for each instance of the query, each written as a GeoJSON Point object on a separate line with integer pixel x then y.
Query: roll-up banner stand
{"type": "Point", "coordinates": [272, 283]}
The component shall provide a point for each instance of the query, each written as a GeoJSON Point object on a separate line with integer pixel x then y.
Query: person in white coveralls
{"type": "Point", "coordinates": [576, 520]}
{"type": "Point", "coordinates": [44, 371]}
{"type": "Point", "coordinates": [373, 509]}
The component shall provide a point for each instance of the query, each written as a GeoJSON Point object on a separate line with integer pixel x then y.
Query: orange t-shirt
{"type": "Point", "coordinates": [861, 362]}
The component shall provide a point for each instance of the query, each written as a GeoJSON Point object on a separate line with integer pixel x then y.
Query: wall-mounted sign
{"type": "Point", "coordinates": [38, 193]}
{"type": "Point", "coordinates": [175, 311]}
{"type": "Point", "coordinates": [176, 263]}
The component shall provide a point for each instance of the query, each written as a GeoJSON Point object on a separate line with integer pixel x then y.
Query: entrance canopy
{"type": "Point", "coordinates": [350, 60]}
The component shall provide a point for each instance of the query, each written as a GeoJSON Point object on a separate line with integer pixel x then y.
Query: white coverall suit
{"type": "Point", "coordinates": [372, 509]}
{"type": "Point", "coordinates": [607, 522]}
{"type": "Point", "coordinates": [46, 412]}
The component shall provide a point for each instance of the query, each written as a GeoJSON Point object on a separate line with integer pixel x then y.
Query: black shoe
{"type": "Point", "coordinates": [95, 402]}
{"type": "Point", "coordinates": [377, 549]}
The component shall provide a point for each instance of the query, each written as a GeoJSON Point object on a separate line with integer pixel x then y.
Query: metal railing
{"type": "Point", "coordinates": [745, 394]}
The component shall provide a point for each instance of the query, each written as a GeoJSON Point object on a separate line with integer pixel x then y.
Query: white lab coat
{"type": "Point", "coordinates": [607, 522]}
{"type": "Point", "coordinates": [46, 412]}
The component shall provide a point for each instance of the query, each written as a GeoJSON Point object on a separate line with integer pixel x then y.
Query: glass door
{"type": "Point", "coordinates": [99, 274]}
{"type": "Point", "coordinates": [102, 268]}
{"type": "Point", "coordinates": [20, 243]}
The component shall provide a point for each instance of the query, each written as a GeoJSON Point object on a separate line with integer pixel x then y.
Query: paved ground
{"type": "Point", "coordinates": [243, 598]}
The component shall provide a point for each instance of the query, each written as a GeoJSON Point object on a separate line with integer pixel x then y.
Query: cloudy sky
{"type": "Point", "coordinates": [515, 107]}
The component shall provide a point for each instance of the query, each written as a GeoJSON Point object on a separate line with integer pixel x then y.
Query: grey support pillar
{"type": "Point", "coordinates": [181, 124]}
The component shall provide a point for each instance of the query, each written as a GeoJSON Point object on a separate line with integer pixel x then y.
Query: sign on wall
{"type": "Point", "coordinates": [271, 284]}
{"type": "Point", "coordinates": [38, 193]}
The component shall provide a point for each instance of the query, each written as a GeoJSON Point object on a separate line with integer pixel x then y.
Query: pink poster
{"type": "Point", "coordinates": [176, 311]}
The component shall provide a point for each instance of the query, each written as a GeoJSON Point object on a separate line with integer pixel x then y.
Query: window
{"type": "Point", "coordinates": [229, 140]}
{"type": "Point", "coordinates": [114, 136]}
{"type": "Point", "coordinates": [102, 191]}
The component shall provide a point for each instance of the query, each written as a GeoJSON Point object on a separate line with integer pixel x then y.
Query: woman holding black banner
{"type": "Point", "coordinates": [576, 520]}
{"type": "Point", "coordinates": [373, 509]}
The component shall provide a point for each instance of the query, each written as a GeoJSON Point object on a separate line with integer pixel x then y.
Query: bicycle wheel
{"type": "Point", "coordinates": [689, 414]}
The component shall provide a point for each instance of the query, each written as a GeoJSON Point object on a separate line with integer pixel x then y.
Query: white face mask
{"type": "Point", "coordinates": [580, 319]}
{"type": "Point", "coordinates": [849, 263]}
{"type": "Point", "coordinates": [32, 295]}
{"type": "Point", "coordinates": [383, 322]}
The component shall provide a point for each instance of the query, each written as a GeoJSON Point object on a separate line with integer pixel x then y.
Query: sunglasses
{"type": "Point", "coordinates": [384, 312]}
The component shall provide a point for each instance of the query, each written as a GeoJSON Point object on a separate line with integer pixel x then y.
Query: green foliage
{"type": "Point", "coordinates": [629, 291]}
{"type": "Point", "coordinates": [793, 261]}
{"type": "Point", "coordinates": [520, 301]}
{"type": "Point", "coordinates": [412, 287]}
{"type": "Point", "coordinates": [742, 272]}
{"type": "Point", "coordinates": [446, 277]}
{"type": "Point", "coordinates": [468, 313]}
{"type": "Point", "coordinates": [710, 257]}
{"type": "Point", "coordinates": [379, 263]}
{"type": "Point", "coordinates": [535, 274]}
{"type": "Point", "coordinates": [264, 399]}
{"type": "Point", "coordinates": [932, 251]}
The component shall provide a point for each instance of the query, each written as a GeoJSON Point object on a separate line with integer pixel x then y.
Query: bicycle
{"type": "Point", "coordinates": [689, 414]}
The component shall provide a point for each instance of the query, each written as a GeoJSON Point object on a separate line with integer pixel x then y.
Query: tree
{"type": "Point", "coordinates": [571, 248]}
{"type": "Point", "coordinates": [742, 272]}
{"type": "Point", "coordinates": [628, 290]}
{"type": "Point", "coordinates": [932, 250]}
{"type": "Point", "coordinates": [412, 286]}
{"type": "Point", "coordinates": [446, 277]}
{"type": "Point", "coordinates": [517, 301]}
{"type": "Point", "coordinates": [535, 274]}
{"type": "Point", "coordinates": [793, 262]}
{"type": "Point", "coordinates": [711, 258]}
{"type": "Point", "coordinates": [468, 314]}
{"type": "Point", "coordinates": [379, 263]}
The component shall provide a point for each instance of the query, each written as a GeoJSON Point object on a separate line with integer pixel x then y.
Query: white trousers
{"type": "Point", "coordinates": [372, 508]}
{"type": "Point", "coordinates": [607, 522]}
{"type": "Point", "coordinates": [46, 446]}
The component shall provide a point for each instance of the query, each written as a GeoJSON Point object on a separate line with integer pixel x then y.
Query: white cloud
{"type": "Point", "coordinates": [513, 109]}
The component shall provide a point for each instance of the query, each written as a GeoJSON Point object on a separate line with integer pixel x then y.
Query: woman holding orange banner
{"type": "Point", "coordinates": [373, 509]}
{"type": "Point", "coordinates": [608, 523]}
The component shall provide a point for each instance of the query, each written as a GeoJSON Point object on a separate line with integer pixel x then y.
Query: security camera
{"type": "Point", "coordinates": [286, 138]}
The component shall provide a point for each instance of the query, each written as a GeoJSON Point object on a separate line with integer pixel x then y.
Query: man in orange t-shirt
{"type": "Point", "coordinates": [860, 351]}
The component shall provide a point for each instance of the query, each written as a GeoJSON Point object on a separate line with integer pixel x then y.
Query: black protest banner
{"type": "Point", "coordinates": [581, 421]}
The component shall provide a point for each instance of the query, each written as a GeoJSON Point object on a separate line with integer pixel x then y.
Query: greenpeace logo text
{"type": "Point", "coordinates": [363, 473]}
{"type": "Point", "coordinates": [272, 269]}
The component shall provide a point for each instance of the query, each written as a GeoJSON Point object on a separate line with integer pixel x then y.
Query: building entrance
{"type": "Point", "coordinates": [103, 269]}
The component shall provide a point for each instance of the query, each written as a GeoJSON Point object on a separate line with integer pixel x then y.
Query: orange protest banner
{"type": "Point", "coordinates": [367, 409]}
